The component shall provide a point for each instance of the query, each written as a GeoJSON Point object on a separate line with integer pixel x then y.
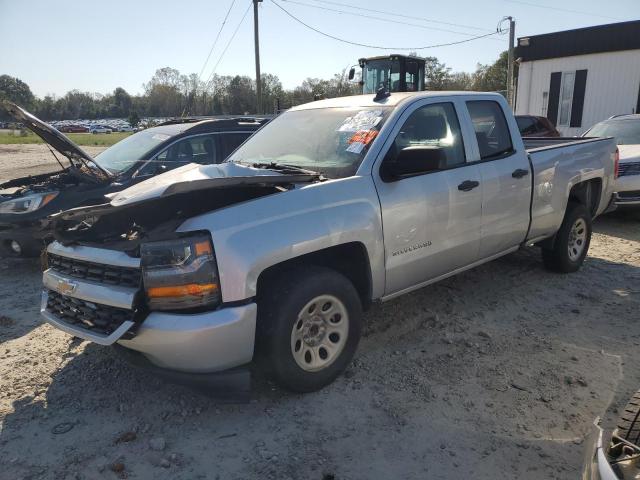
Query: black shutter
{"type": "Point", "coordinates": [554, 97]}
{"type": "Point", "coordinates": [578, 98]}
{"type": "Point", "coordinates": [638, 104]}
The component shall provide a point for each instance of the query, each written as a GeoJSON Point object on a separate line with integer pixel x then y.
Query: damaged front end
{"type": "Point", "coordinates": [154, 209]}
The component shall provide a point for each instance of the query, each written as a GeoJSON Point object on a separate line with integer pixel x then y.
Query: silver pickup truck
{"type": "Point", "coordinates": [272, 256]}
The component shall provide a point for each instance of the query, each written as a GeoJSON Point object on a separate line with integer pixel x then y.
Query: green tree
{"type": "Point", "coordinates": [492, 78]}
{"type": "Point", "coordinates": [436, 74]}
{"type": "Point", "coordinates": [133, 119]}
{"type": "Point", "coordinates": [16, 91]}
{"type": "Point", "coordinates": [122, 102]}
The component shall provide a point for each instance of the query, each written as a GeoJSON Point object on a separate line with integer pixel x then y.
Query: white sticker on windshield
{"type": "Point", "coordinates": [363, 120]}
{"type": "Point", "coordinates": [355, 147]}
{"type": "Point", "coordinates": [160, 136]}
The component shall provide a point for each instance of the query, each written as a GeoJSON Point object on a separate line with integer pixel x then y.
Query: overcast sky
{"type": "Point", "coordinates": [56, 46]}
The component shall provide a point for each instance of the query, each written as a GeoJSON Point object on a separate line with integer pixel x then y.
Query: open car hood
{"type": "Point", "coordinates": [78, 158]}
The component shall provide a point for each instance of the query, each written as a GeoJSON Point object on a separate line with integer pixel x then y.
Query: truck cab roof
{"type": "Point", "coordinates": [393, 100]}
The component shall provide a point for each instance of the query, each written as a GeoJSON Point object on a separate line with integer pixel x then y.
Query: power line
{"type": "Point", "coordinates": [380, 18]}
{"type": "Point", "coordinates": [411, 17]}
{"type": "Point", "coordinates": [549, 7]}
{"type": "Point", "coordinates": [227, 45]}
{"type": "Point", "coordinates": [378, 46]}
{"type": "Point", "coordinates": [216, 40]}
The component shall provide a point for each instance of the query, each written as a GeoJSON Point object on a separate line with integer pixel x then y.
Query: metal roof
{"type": "Point", "coordinates": [391, 101]}
{"type": "Point", "coordinates": [613, 37]}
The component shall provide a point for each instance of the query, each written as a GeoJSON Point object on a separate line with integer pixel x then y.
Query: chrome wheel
{"type": "Point", "coordinates": [577, 239]}
{"type": "Point", "coordinates": [320, 333]}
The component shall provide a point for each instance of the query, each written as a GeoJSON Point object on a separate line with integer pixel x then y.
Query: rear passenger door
{"type": "Point", "coordinates": [505, 176]}
{"type": "Point", "coordinates": [431, 221]}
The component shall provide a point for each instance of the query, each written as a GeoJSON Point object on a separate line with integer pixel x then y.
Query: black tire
{"type": "Point", "coordinates": [278, 309]}
{"type": "Point", "coordinates": [629, 421]}
{"type": "Point", "coordinates": [558, 259]}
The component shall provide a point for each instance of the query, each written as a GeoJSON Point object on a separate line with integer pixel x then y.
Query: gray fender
{"type": "Point", "coordinates": [252, 236]}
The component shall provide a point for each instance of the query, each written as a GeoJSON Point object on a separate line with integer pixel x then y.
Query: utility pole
{"type": "Point", "coordinates": [256, 39]}
{"type": "Point", "coordinates": [512, 32]}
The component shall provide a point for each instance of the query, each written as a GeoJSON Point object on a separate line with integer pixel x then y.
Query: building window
{"type": "Point", "coordinates": [545, 103]}
{"type": "Point", "coordinates": [566, 98]}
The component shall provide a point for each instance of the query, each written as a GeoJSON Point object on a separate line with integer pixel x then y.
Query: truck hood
{"type": "Point", "coordinates": [78, 158]}
{"type": "Point", "coordinates": [154, 209]}
{"type": "Point", "coordinates": [199, 177]}
{"type": "Point", "coordinates": [629, 153]}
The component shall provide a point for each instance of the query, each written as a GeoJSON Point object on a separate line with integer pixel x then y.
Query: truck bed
{"type": "Point", "coordinates": [559, 163]}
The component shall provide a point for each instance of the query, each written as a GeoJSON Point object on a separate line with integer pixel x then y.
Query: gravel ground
{"type": "Point", "coordinates": [496, 373]}
{"type": "Point", "coordinates": [22, 160]}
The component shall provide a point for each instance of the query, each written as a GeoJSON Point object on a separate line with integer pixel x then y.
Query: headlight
{"type": "Point", "coordinates": [28, 203]}
{"type": "Point", "coordinates": [180, 273]}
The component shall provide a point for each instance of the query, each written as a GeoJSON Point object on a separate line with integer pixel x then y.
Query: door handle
{"type": "Point", "coordinates": [468, 185]}
{"type": "Point", "coordinates": [519, 173]}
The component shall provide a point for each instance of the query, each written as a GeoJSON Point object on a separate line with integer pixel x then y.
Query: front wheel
{"type": "Point", "coordinates": [571, 242]}
{"type": "Point", "coordinates": [309, 327]}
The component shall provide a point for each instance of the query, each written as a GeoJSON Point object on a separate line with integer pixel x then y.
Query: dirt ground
{"type": "Point", "coordinates": [21, 160]}
{"type": "Point", "coordinates": [496, 373]}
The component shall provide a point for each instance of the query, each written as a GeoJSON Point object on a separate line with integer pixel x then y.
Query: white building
{"type": "Point", "coordinates": [577, 78]}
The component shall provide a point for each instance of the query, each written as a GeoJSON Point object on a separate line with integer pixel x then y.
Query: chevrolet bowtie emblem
{"type": "Point", "coordinates": [66, 287]}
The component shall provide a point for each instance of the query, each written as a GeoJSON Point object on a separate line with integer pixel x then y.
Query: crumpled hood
{"type": "Point", "coordinates": [629, 153]}
{"type": "Point", "coordinates": [190, 177]}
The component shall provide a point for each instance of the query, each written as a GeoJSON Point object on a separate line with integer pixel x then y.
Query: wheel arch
{"type": "Point", "coordinates": [349, 259]}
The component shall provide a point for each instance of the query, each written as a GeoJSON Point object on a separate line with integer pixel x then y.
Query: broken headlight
{"type": "Point", "coordinates": [180, 273]}
{"type": "Point", "coordinates": [28, 203]}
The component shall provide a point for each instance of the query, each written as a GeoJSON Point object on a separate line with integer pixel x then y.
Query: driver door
{"type": "Point", "coordinates": [431, 221]}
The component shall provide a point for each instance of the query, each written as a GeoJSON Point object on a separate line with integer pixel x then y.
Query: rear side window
{"type": "Point", "coordinates": [492, 132]}
{"type": "Point", "coordinates": [230, 141]}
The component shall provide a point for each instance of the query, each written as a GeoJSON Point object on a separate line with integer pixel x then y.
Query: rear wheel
{"type": "Point", "coordinates": [309, 327]}
{"type": "Point", "coordinates": [571, 242]}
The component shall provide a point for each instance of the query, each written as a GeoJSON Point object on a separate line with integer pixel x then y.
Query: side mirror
{"type": "Point", "coordinates": [412, 161]}
{"type": "Point", "coordinates": [352, 73]}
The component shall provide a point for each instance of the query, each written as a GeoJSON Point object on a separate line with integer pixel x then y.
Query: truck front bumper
{"type": "Point", "coordinates": [203, 342]}
{"type": "Point", "coordinates": [197, 343]}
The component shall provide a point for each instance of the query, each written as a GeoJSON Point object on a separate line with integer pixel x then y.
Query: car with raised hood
{"type": "Point", "coordinates": [273, 255]}
{"type": "Point", "coordinates": [626, 130]}
{"type": "Point", "coordinates": [27, 202]}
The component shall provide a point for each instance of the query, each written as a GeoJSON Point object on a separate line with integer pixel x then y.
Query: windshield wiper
{"type": "Point", "coordinates": [285, 168]}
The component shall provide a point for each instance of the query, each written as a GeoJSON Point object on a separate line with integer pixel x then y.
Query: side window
{"type": "Point", "coordinates": [200, 149]}
{"type": "Point", "coordinates": [230, 141]}
{"type": "Point", "coordinates": [433, 125]}
{"type": "Point", "coordinates": [492, 132]}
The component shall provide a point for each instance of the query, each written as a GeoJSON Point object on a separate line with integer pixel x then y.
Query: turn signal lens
{"type": "Point", "coordinates": [192, 289]}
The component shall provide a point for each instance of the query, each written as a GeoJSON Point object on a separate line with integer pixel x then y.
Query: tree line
{"type": "Point", "coordinates": [170, 93]}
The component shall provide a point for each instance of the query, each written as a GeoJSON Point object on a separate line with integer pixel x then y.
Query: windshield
{"type": "Point", "coordinates": [124, 154]}
{"type": "Point", "coordinates": [626, 132]}
{"type": "Point", "coordinates": [381, 72]}
{"type": "Point", "coordinates": [331, 141]}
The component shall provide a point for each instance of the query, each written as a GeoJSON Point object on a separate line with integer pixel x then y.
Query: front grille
{"type": "Point", "coordinates": [97, 272]}
{"type": "Point", "coordinates": [629, 168]}
{"type": "Point", "coordinates": [97, 318]}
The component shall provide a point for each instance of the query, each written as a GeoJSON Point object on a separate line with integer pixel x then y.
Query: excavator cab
{"type": "Point", "coordinates": [396, 73]}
